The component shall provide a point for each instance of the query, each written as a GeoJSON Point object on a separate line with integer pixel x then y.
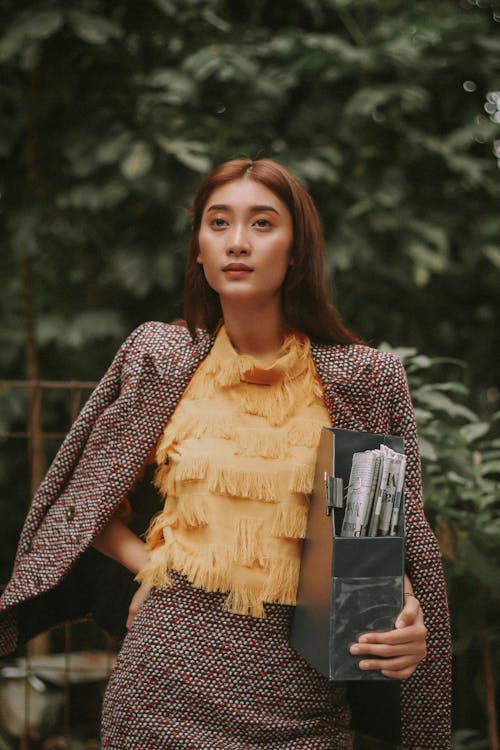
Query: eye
{"type": "Point", "coordinates": [263, 223]}
{"type": "Point", "coordinates": [218, 223]}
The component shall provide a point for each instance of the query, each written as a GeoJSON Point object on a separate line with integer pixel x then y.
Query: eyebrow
{"type": "Point", "coordinates": [253, 209]}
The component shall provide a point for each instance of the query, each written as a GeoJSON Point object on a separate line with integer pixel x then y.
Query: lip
{"type": "Point", "coordinates": [237, 267]}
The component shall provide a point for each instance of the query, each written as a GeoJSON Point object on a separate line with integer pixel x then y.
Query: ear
{"type": "Point", "coordinates": [199, 259]}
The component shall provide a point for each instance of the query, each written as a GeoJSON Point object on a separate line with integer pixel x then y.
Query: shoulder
{"type": "Point", "coordinates": [158, 338]}
{"type": "Point", "coordinates": [357, 361]}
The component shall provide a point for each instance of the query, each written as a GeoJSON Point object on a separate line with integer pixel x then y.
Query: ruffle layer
{"type": "Point", "coordinates": [245, 601]}
{"type": "Point", "coordinates": [290, 522]}
{"type": "Point", "coordinates": [244, 483]}
{"type": "Point", "coordinates": [248, 441]}
{"type": "Point", "coordinates": [248, 541]}
{"type": "Point", "coordinates": [210, 569]}
{"type": "Point", "coordinates": [251, 484]}
{"type": "Point", "coordinates": [282, 579]}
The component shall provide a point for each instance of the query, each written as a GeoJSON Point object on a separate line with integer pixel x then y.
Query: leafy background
{"type": "Point", "coordinates": [390, 114]}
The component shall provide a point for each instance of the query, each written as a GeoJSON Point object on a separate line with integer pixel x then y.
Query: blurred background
{"type": "Point", "coordinates": [389, 112]}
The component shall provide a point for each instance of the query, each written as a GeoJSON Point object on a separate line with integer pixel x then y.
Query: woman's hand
{"type": "Point", "coordinates": [136, 603]}
{"type": "Point", "coordinates": [397, 652]}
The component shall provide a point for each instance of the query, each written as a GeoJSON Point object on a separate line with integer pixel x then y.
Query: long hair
{"type": "Point", "coordinates": [305, 301]}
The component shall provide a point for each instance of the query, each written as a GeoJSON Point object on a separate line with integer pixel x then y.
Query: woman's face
{"type": "Point", "coordinates": [245, 240]}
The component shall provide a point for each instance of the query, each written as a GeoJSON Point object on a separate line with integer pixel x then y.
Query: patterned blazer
{"type": "Point", "coordinates": [107, 447]}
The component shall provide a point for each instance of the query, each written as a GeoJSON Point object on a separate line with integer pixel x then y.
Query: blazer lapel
{"type": "Point", "coordinates": [346, 385]}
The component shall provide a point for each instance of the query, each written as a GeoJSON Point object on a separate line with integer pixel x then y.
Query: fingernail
{"type": "Point", "coordinates": [399, 624]}
{"type": "Point", "coordinates": [355, 649]}
{"type": "Point", "coordinates": [363, 664]}
{"type": "Point", "coordinates": [362, 639]}
{"type": "Point", "coordinates": [386, 674]}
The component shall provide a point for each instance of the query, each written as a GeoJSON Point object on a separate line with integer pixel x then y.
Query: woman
{"type": "Point", "coordinates": [232, 413]}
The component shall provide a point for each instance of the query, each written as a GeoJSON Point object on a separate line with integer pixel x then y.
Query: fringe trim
{"type": "Point", "coordinates": [165, 444]}
{"type": "Point", "coordinates": [282, 580]}
{"type": "Point", "coordinates": [191, 468]}
{"type": "Point", "coordinates": [203, 385]}
{"type": "Point", "coordinates": [290, 522]}
{"type": "Point", "coordinates": [193, 510]}
{"type": "Point", "coordinates": [155, 535]}
{"type": "Point", "coordinates": [155, 572]}
{"type": "Point", "coordinates": [186, 425]}
{"type": "Point", "coordinates": [243, 601]}
{"type": "Point", "coordinates": [164, 480]}
{"type": "Point", "coordinates": [254, 485]}
{"type": "Point", "coordinates": [304, 433]}
{"type": "Point", "coordinates": [209, 568]}
{"type": "Point", "coordinates": [262, 443]}
{"type": "Point", "coordinates": [275, 403]}
{"type": "Point", "coordinates": [302, 478]}
{"type": "Point", "coordinates": [247, 541]}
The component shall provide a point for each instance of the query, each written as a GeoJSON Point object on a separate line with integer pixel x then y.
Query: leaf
{"type": "Point", "coordinates": [492, 252]}
{"type": "Point", "coordinates": [469, 739]}
{"type": "Point", "coordinates": [176, 87]}
{"type": "Point", "coordinates": [427, 450]}
{"type": "Point", "coordinates": [193, 154]}
{"type": "Point", "coordinates": [87, 195]}
{"type": "Point", "coordinates": [421, 361]}
{"type": "Point", "coordinates": [85, 327]}
{"type": "Point", "coordinates": [35, 25]}
{"type": "Point", "coordinates": [403, 353]}
{"type": "Point", "coordinates": [92, 28]}
{"type": "Point", "coordinates": [132, 271]}
{"type": "Point", "coordinates": [138, 161]}
{"type": "Point", "coordinates": [426, 256]}
{"type": "Point", "coordinates": [490, 467]}
{"type": "Point", "coordinates": [449, 387]}
{"type": "Point", "coordinates": [483, 566]}
{"type": "Point", "coordinates": [368, 100]}
{"type": "Point", "coordinates": [472, 432]}
{"type": "Point", "coordinates": [422, 415]}
{"type": "Point", "coordinates": [440, 402]}
{"type": "Point", "coordinates": [111, 150]}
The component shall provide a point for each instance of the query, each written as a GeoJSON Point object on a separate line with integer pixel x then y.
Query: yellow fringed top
{"type": "Point", "coordinates": [236, 466]}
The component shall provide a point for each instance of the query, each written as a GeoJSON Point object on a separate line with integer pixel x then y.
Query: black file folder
{"type": "Point", "coordinates": [347, 585]}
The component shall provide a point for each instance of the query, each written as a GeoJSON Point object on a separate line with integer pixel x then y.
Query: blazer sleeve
{"type": "Point", "coordinates": [97, 411]}
{"type": "Point", "coordinates": [426, 696]}
{"type": "Point", "coordinates": [37, 595]}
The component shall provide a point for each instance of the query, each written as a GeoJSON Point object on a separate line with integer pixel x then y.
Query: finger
{"type": "Point", "coordinates": [394, 637]}
{"type": "Point", "coordinates": [400, 664]}
{"type": "Point", "coordinates": [136, 603]}
{"type": "Point", "coordinates": [410, 613]}
{"type": "Point", "coordinates": [417, 648]}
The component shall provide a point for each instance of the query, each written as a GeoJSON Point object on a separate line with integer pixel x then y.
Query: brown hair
{"type": "Point", "coordinates": [306, 306]}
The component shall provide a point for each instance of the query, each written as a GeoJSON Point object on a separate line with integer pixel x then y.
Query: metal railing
{"type": "Point", "coordinates": [38, 661]}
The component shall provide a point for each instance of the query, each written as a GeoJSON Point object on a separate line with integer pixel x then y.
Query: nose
{"type": "Point", "coordinates": [238, 242]}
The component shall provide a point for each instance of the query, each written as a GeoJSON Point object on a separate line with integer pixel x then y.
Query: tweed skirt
{"type": "Point", "coordinates": [190, 676]}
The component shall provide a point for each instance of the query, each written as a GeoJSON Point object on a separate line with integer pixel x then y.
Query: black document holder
{"type": "Point", "coordinates": [347, 586]}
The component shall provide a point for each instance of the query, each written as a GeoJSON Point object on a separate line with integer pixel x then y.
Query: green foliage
{"type": "Point", "coordinates": [112, 112]}
{"type": "Point", "coordinates": [111, 115]}
{"type": "Point", "coordinates": [461, 463]}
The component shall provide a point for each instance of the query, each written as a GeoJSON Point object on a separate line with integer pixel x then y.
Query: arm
{"type": "Point", "coordinates": [118, 542]}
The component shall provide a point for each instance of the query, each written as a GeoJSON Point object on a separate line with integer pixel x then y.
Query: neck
{"type": "Point", "coordinates": [259, 333]}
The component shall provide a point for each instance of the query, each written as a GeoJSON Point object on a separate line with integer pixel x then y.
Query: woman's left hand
{"type": "Point", "coordinates": [397, 652]}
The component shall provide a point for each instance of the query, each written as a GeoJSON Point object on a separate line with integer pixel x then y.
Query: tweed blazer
{"type": "Point", "coordinates": [104, 453]}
